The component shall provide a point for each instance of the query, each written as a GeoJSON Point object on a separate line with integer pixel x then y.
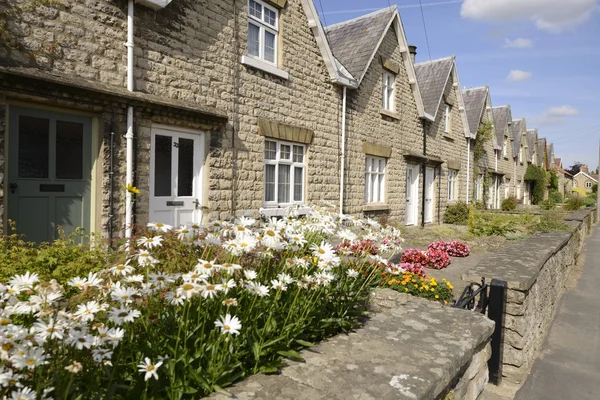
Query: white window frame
{"type": "Point", "coordinates": [452, 178]}
{"type": "Point", "coordinates": [507, 189]}
{"type": "Point", "coordinates": [505, 148]}
{"type": "Point", "coordinates": [388, 93]}
{"type": "Point", "coordinates": [375, 180]}
{"type": "Point", "coordinates": [447, 118]}
{"type": "Point", "coordinates": [264, 27]}
{"type": "Point", "coordinates": [277, 162]}
{"type": "Point", "coordinates": [521, 155]}
{"type": "Point", "coordinates": [519, 190]}
{"type": "Point", "coordinates": [479, 188]}
{"type": "Point", "coordinates": [588, 185]}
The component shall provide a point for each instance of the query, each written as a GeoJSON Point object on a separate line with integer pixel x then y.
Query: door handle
{"type": "Point", "coordinates": [197, 204]}
{"type": "Point", "coordinates": [13, 187]}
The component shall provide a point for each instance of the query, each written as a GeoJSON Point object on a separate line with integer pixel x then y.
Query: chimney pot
{"type": "Point", "coordinates": [413, 52]}
{"type": "Point", "coordinates": [584, 168]}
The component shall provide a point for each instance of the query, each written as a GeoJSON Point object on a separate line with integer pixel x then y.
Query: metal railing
{"type": "Point", "coordinates": [482, 297]}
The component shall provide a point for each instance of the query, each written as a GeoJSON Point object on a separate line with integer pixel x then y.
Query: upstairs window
{"type": "Point", "coordinates": [284, 173]}
{"type": "Point", "coordinates": [263, 30]}
{"type": "Point", "coordinates": [389, 83]}
{"type": "Point", "coordinates": [375, 180]}
{"type": "Point", "coordinates": [588, 185]}
{"type": "Point", "coordinates": [447, 113]}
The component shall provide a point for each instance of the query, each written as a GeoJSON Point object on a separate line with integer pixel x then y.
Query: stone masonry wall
{"type": "Point", "coordinates": [448, 147]}
{"type": "Point", "coordinates": [447, 354]}
{"type": "Point", "coordinates": [366, 123]}
{"type": "Point", "coordinates": [536, 270]}
{"type": "Point", "coordinates": [191, 51]}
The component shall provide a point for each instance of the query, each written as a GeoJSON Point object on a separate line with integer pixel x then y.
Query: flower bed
{"type": "Point", "coordinates": [454, 248]}
{"type": "Point", "coordinates": [186, 311]}
{"type": "Point", "coordinates": [421, 286]}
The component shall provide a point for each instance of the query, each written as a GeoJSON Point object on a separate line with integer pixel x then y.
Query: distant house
{"type": "Point", "coordinates": [584, 179]}
{"type": "Point", "coordinates": [519, 132]}
{"type": "Point", "coordinates": [565, 179]}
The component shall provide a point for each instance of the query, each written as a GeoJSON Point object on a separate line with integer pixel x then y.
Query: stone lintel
{"type": "Point", "coordinates": [377, 150]}
{"type": "Point", "coordinates": [390, 65]}
{"type": "Point", "coordinates": [277, 3]}
{"type": "Point", "coordinates": [275, 130]}
{"type": "Point", "coordinates": [389, 114]}
{"type": "Point", "coordinates": [454, 164]}
{"type": "Point", "coordinates": [376, 207]}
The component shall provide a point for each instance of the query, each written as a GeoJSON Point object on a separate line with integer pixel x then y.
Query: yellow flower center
{"type": "Point", "coordinates": [188, 286]}
{"type": "Point", "coordinates": [226, 327]}
{"type": "Point", "coordinates": [30, 362]}
{"type": "Point", "coordinates": [150, 368]}
{"type": "Point", "coordinates": [270, 233]}
{"type": "Point", "coordinates": [321, 251]}
{"type": "Point", "coordinates": [210, 287]}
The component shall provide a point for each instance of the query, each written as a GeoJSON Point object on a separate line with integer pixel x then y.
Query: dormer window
{"type": "Point", "coordinates": [447, 118]}
{"type": "Point", "coordinates": [263, 31]}
{"type": "Point", "coordinates": [388, 86]}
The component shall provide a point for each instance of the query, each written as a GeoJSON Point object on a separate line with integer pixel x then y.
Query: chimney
{"type": "Point", "coordinates": [584, 168]}
{"type": "Point", "coordinates": [413, 52]}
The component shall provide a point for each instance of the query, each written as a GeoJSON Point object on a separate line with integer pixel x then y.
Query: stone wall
{"type": "Point", "coordinates": [536, 270]}
{"type": "Point", "coordinates": [409, 348]}
{"type": "Point", "coordinates": [365, 123]}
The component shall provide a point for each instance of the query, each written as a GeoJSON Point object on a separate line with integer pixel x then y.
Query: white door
{"type": "Point", "coordinates": [429, 190]}
{"type": "Point", "coordinates": [412, 194]}
{"type": "Point", "coordinates": [176, 162]}
{"type": "Point", "coordinates": [497, 192]}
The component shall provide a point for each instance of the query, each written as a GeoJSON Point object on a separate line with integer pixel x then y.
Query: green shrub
{"type": "Point", "coordinates": [595, 188]}
{"type": "Point", "coordinates": [539, 179]}
{"type": "Point", "coordinates": [574, 203]}
{"type": "Point", "coordinates": [457, 214]}
{"type": "Point", "coordinates": [549, 223]}
{"type": "Point", "coordinates": [590, 200]}
{"type": "Point", "coordinates": [491, 224]}
{"type": "Point", "coordinates": [509, 204]}
{"type": "Point", "coordinates": [555, 196]}
{"type": "Point", "coordinates": [547, 205]}
{"type": "Point", "coordinates": [62, 259]}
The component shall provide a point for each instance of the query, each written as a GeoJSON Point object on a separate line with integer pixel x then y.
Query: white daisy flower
{"type": "Point", "coordinates": [25, 281]}
{"type": "Point", "coordinates": [124, 294]}
{"type": "Point", "coordinates": [257, 289]}
{"type": "Point", "coordinates": [31, 358]}
{"type": "Point", "coordinates": [352, 273]}
{"type": "Point", "coordinates": [24, 393]}
{"type": "Point", "coordinates": [159, 226]}
{"type": "Point", "coordinates": [86, 312]}
{"type": "Point", "coordinates": [229, 324]}
{"type": "Point", "coordinates": [149, 368]}
{"type": "Point", "coordinates": [207, 267]}
{"type": "Point", "coordinates": [278, 285]}
{"type": "Point", "coordinates": [123, 314]}
{"type": "Point", "coordinates": [75, 367]}
{"type": "Point", "coordinates": [209, 290]}
{"type": "Point", "coordinates": [250, 274]}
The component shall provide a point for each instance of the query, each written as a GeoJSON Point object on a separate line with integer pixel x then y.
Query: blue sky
{"type": "Point", "coordinates": [540, 56]}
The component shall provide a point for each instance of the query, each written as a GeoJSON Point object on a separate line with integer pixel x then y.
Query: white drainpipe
{"type": "Point", "coordinates": [343, 165]}
{"type": "Point", "coordinates": [129, 135]}
{"type": "Point", "coordinates": [468, 167]}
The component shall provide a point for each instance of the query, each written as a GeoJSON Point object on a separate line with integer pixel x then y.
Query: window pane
{"type": "Point", "coordinates": [255, 9]}
{"type": "Point", "coordinates": [374, 187]}
{"type": "Point", "coordinates": [283, 187]}
{"type": "Point", "coordinates": [269, 47]}
{"type": "Point", "coordinates": [270, 150]}
{"type": "Point", "coordinates": [285, 152]}
{"type": "Point", "coordinates": [269, 183]}
{"type": "Point", "coordinates": [381, 188]}
{"type": "Point", "coordinates": [253, 40]}
{"type": "Point", "coordinates": [163, 149]}
{"type": "Point", "coordinates": [298, 183]}
{"type": "Point", "coordinates": [33, 147]}
{"type": "Point", "coordinates": [69, 150]}
{"type": "Point", "coordinates": [270, 17]}
{"type": "Point", "coordinates": [185, 168]}
{"type": "Point", "coordinates": [298, 154]}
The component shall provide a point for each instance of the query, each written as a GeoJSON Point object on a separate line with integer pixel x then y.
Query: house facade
{"type": "Point", "coordinates": [505, 168]}
{"type": "Point", "coordinates": [585, 179]}
{"type": "Point", "coordinates": [223, 114]}
{"type": "Point", "coordinates": [448, 134]}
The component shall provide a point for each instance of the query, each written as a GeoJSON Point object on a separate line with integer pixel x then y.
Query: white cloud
{"type": "Point", "coordinates": [549, 15]}
{"type": "Point", "coordinates": [556, 115]}
{"type": "Point", "coordinates": [518, 75]}
{"type": "Point", "coordinates": [519, 43]}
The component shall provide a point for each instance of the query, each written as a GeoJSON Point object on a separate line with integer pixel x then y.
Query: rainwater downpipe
{"type": "Point", "coordinates": [111, 174]}
{"type": "Point", "coordinates": [343, 156]}
{"type": "Point", "coordinates": [129, 134]}
{"type": "Point", "coordinates": [423, 202]}
{"type": "Point", "coordinates": [468, 167]}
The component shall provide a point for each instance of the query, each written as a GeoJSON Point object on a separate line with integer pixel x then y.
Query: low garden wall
{"type": "Point", "coordinates": [409, 348]}
{"type": "Point", "coordinates": [536, 271]}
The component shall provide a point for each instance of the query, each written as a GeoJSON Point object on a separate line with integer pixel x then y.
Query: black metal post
{"type": "Point", "coordinates": [496, 310]}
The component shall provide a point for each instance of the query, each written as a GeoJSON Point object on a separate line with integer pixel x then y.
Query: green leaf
{"type": "Point", "coordinates": [304, 343]}
{"type": "Point", "coordinates": [222, 391]}
{"type": "Point", "coordinates": [294, 355]}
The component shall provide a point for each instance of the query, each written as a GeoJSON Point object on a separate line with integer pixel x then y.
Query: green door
{"type": "Point", "coordinates": [49, 172]}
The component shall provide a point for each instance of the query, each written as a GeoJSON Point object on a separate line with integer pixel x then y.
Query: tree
{"type": "Point", "coordinates": [575, 168]}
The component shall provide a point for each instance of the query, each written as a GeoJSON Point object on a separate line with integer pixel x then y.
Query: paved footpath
{"type": "Point", "coordinates": [569, 365]}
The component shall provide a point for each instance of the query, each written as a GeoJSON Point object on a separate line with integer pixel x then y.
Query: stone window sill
{"type": "Point", "coordinates": [376, 207]}
{"type": "Point", "coordinates": [389, 114]}
{"type": "Point", "coordinates": [265, 67]}
{"type": "Point", "coordinates": [283, 211]}
{"type": "Point", "coordinates": [448, 136]}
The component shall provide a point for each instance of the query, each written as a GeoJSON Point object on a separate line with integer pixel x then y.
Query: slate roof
{"type": "Point", "coordinates": [558, 162]}
{"type": "Point", "coordinates": [353, 42]}
{"type": "Point", "coordinates": [531, 142]}
{"type": "Point", "coordinates": [518, 128]}
{"type": "Point", "coordinates": [474, 106]}
{"type": "Point", "coordinates": [541, 148]}
{"type": "Point", "coordinates": [432, 77]}
{"type": "Point", "coordinates": [550, 151]}
{"type": "Point", "coordinates": [501, 120]}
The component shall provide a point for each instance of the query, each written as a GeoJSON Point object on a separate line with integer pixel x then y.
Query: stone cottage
{"type": "Point", "coordinates": [584, 179]}
{"type": "Point", "coordinates": [565, 179]}
{"type": "Point", "coordinates": [505, 158]}
{"type": "Point", "coordinates": [208, 108]}
{"type": "Point", "coordinates": [483, 169]}
{"type": "Point", "coordinates": [387, 170]}
{"type": "Point", "coordinates": [519, 133]}
{"type": "Point", "coordinates": [448, 134]}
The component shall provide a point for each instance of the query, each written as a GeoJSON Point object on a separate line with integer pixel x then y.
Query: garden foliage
{"type": "Point", "coordinates": [573, 203]}
{"type": "Point", "coordinates": [179, 313]}
{"type": "Point", "coordinates": [420, 286]}
{"type": "Point", "coordinates": [539, 179]}
{"type": "Point", "coordinates": [453, 248]}
{"type": "Point", "coordinates": [457, 214]}
{"type": "Point", "coordinates": [509, 204]}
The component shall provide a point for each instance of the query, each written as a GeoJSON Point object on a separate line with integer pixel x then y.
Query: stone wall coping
{"type": "Point", "coordinates": [409, 348]}
{"type": "Point", "coordinates": [520, 263]}
{"type": "Point", "coordinates": [114, 91]}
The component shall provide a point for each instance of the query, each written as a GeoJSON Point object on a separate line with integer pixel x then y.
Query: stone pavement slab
{"type": "Point", "coordinates": [569, 366]}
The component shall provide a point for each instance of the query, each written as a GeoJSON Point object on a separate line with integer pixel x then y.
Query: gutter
{"type": "Point", "coordinates": [343, 155]}
{"type": "Point", "coordinates": [468, 168]}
